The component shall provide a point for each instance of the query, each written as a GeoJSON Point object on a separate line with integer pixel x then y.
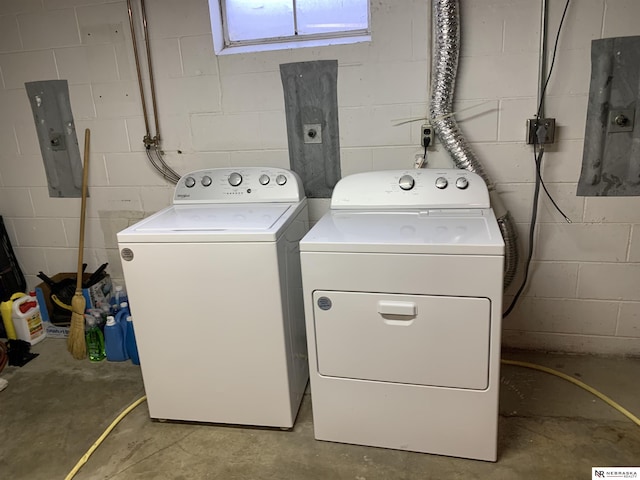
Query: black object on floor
{"type": "Point", "coordinates": [19, 353]}
{"type": "Point", "coordinates": [11, 278]}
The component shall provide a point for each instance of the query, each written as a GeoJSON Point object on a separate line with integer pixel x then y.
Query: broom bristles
{"type": "Point", "coordinates": [76, 343]}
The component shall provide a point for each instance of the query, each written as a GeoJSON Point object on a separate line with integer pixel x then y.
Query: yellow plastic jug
{"type": "Point", "coordinates": [6, 309]}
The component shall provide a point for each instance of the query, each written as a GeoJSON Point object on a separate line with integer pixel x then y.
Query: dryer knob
{"type": "Point", "coordinates": [462, 183]}
{"type": "Point", "coordinates": [235, 179]}
{"type": "Point", "coordinates": [189, 182]}
{"type": "Point", "coordinates": [441, 183]}
{"type": "Point", "coordinates": [406, 182]}
{"type": "Point", "coordinates": [281, 179]}
{"type": "Point", "coordinates": [206, 181]}
{"type": "Point", "coordinates": [264, 179]}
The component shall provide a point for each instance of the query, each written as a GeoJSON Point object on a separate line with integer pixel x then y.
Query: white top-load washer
{"type": "Point", "coordinates": [216, 296]}
{"type": "Point", "coordinates": [402, 281]}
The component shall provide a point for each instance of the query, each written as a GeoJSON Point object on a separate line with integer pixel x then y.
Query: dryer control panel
{"type": "Point", "coordinates": [423, 188]}
{"type": "Point", "coordinates": [239, 185]}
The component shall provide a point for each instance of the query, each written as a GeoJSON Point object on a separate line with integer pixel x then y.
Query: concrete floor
{"type": "Point", "coordinates": [55, 407]}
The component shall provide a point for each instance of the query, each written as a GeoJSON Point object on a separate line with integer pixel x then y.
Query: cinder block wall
{"type": "Point", "coordinates": [229, 111]}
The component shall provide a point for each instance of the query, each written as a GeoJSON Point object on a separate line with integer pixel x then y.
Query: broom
{"type": "Point", "coordinates": [76, 342]}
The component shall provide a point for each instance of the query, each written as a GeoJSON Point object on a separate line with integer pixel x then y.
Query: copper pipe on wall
{"type": "Point", "coordinates": [151, 80]}
{"type": "Point", "coordinates": [151, 143]}
{"type": "Point", "coordinates": [137, 59]}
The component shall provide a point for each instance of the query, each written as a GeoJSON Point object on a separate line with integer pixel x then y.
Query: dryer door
{"type": "Point", "coordinates": [414, 339]}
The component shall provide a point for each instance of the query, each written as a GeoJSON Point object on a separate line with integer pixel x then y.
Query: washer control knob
{"type": "Point", "coordinates": [264, 179]}
{"type": "Point", "coordinates": [406, 182]}
{"type": "Point", "coordinates": [281, 179]}
{"type": "Point", "coordinates": [235, 179]}
{"type": "Point", "coordinates": [189, 182]}
{"type": "Point", "coordinates": [462, 183]}
{"type": "Point", "coordinates": [206, 181]}
{"type": "Point", "coordinates": [441, 183]}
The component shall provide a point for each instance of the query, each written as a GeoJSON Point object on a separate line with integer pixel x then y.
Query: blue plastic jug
{"type": "Point", "coordinates": [130, 342]}
{"type": "Point", "coordinates": [114, 341]}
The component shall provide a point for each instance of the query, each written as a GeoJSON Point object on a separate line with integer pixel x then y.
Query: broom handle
{"type": "Point", "coordinates": [85, 181]}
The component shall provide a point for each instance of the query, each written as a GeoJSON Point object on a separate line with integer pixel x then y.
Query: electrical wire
{"type": "Point", "coordinates": [553, 59]}
{"type": "Point", "coordinates": [101, 438]}
{"type": "Point", "coordinates": [541, 104]}
{"type": "Point", "coordinates": [532, 226]}
{"type": "Point", "coordinates": [537, 159]}
{"type": "Point", "coordinates": [577, 382]}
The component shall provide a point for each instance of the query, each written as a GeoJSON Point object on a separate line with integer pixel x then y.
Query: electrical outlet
{"type": "Point", "coordinates": [549, 125]}
{"type": "Point", "coordinates": [426, 135]}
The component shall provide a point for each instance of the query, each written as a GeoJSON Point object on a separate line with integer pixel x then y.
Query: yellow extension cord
{"type": "Point", "coordinates": [533, 366]}
{"type": "Point", "coordinates": [582, 385]}
{"type": "Point", "coordinates": [97, 443]}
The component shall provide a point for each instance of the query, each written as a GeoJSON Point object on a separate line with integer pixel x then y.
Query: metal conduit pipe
{"type": "Point", "coordinates": [446, 50]}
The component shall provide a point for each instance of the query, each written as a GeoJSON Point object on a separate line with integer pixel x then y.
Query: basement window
{"type": "Point", "coordinates": [241, 26]}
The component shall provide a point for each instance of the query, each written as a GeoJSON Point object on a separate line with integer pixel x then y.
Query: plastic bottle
{"type": "Point", "coordinates": [95, 341]}
{"type": "Point", "coordinates": [114, 341]}
{"type": "Point", "coordinates": [121, 316]}
{"type": "Point", "coordinates": [26, 319]}
{"type": "Point", "coordinates": [130, 342]}
{"type": "Point", "coordinates": [119, 296]}
{"type": "Point", "coordinates": [97, 318]}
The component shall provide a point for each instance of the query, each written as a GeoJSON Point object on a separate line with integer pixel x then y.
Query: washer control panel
{"type": "Point", "coordinates": [239, 185]}
{"type": "Point", "coordinates": [420, 188]}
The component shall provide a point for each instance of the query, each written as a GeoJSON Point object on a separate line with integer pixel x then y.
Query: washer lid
{"type": "Point", "coordinates": [448, 231]}
{"type": "Point", "coordinates": [211, 222]}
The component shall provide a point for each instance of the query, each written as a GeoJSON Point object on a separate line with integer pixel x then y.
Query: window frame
{"type": "Point", "coordinates": [223, 46]}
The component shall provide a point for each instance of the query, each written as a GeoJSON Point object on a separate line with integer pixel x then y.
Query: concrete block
{"type": "Point", "coordinates": [132, 169]}
{"type": "Point", "coordinates": [16, 202]}
{"type": "Point", "coordinates": [608, 281]}
{"type": "Point", "coordinates": [629, 320]}
{"type": "Point", "coordinates": [577, 317]}
{"type": "Point", "coordinates": [9, 34]}
{"type": "Point", "coordinates": [585, 243]}
{"type": "Point", "coordinates": [40, 232]}
{"type": "Point", "coordinates": [18, 68]}
{"type": "Point", "coordinates": [90, 63]}
{"type": "Point", "coordinates": [198, 57]}
{"type": "Point", "coordinates": [46, 29]}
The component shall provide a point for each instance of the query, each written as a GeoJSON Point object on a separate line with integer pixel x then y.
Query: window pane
{"type": "Point", "coordinates": [322, 16]}
{"type": "Point", "coordinates": [254, 19]}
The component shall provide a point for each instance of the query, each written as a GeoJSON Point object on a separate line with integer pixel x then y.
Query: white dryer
{"type": "Point", "coordinates": [403, 287]}
{"type": "Point", "coordinates": [216, 295]}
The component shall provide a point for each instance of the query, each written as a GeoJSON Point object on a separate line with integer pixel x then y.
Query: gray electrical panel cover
{"type": "Point", "coordinates": [611, 155]}
{"type": "Point", "coordinates": [311, 107]}
{"type": "Point", "coordinates": [57, 136]}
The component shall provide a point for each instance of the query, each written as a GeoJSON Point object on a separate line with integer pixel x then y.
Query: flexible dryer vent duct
{"type": "Point", "coordinates": [446, 22]}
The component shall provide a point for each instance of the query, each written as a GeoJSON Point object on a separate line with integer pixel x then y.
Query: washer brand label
{"type": "Point", "coordinates": [126, 254]}
{"type": "Point", "coordinates": [324, 303]}
{"type": "Point", "coordinates": [183, 195]}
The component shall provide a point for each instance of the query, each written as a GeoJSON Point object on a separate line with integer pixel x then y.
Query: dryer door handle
{"type": "Point", "coordinates": [402, 309]}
